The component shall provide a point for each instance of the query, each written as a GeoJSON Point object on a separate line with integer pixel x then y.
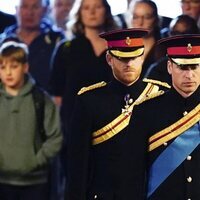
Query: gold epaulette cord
{"type": "Point", "coordinates": [164, 84]}
{"type": "Point", "coordinates": [175, 129]}
{"type": "Point", "coordinates": [120, 122]}
{"type": "Point", "coordinates": [92, 87]}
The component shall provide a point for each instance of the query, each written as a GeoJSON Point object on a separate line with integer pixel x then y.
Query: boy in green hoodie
{"type": "Point", "coordinates": [25, 153]}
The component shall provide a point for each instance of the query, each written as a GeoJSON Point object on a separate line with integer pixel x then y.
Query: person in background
{"type": "Point", "coordinates": [191, 8]}
{"type": "Point", "coordinates": [99, 122]}
{"type": "Point", "coordinates": [81, 62]}
{"type": "Point", "coordinates": [183, 24]}
{"type": "Point", "coordinates": [122, 18]}
{"type": "Point", "coordinates": [6, 20]}
{"type": "Point", "coordinates": [59, 12]}
{"type": "Point", "coordinates": [31, 133]}
{"type": "Point", "coordinates": [33, 29]}
{"type": "Point", "coordinates": [37, 34]}
{"type": "Point", "coordinates": [173, 152]}
{"type": "Point", "coordinates": [144, 14]}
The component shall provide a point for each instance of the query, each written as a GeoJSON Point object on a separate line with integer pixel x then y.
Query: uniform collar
{"type": "Point", "coordinates": [189, 102]}
{"type": "Point", "coordinates": [134, 90]}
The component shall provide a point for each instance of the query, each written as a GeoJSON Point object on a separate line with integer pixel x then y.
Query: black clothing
{"type": "Point", "coordinates": [122, 20]}
{"type": "Point", "coordinates": [74, 66]}
{"type": "Point", "coordinates": [152, 55]}
{"type": "Point", "coordinates": [97, 171]}
{"type": "Point", "coordinates": [164, 26]}
{"type": "Point", "coordinates": [164, 21]}
{"type": "Point", "coordinates": [10, 192]}
{"type": "Point", "coordinates": [158, 71]}
{"type": "Point", "coordinates": [6, 20]}
{"type": "Point", "coordinates": [156, 115]}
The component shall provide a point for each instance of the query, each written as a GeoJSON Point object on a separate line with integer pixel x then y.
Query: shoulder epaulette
{"type": "Point", "coordinates": [92, 87]}
{"type": "Point", "coordinates": [149, 96]}
{"type": "Point", "coordinates": [164, 84]}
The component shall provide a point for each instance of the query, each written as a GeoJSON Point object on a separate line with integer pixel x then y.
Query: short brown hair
{"type": "Point", "coordinates": [15, 50]}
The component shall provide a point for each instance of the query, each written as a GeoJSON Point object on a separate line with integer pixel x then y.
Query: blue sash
{"type": "Point", "coordinates": [172, 157]}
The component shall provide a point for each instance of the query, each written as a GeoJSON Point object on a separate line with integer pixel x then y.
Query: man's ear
{"type": "Point", "coordinates": [109, 59]}
{"type": "Point", "coordinates": [169, 67]}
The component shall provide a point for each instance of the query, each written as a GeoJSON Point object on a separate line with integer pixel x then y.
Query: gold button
{"type": "Point", "coordinates": [185, 113]}
{"type": "Point", "coordinates": [189, 179]}
{"type": "Point", "coordinates": [189, 158]}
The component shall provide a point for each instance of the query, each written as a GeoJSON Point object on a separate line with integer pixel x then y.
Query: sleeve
{"type": "Point", "coordinates": [54, 137]}
{"type": "Point", "coordinates": [79, 152]}
{"type": "Point", "coordinates": [59, 63]}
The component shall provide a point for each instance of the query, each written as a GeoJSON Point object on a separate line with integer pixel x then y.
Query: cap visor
{"type": "Point", "coordinates": [186, 61]}
{"type": "Point", "coordinates": [129, 54]}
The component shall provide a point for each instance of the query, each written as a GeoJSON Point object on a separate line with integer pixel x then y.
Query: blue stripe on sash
{"type": "Point", "coordinates": [172, 157]}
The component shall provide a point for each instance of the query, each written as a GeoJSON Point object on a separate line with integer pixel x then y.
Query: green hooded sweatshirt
{"type": "Point", "coordinates": [20, 163]}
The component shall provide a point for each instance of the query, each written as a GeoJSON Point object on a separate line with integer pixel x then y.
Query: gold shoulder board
{"type": "Point", "coordinates": [164, 84]}
{"type": "Point", "coordinates": [92, 87]}
{"type": "Point", "coordinates": [150, 96]}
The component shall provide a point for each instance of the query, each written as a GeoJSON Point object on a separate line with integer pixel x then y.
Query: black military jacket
{"type": "Point", "coordinates": [97, 171]}
{"type": "Point", "coordinates": [75, 65]}
{"type": "Point", "coordinates": [152, 117]}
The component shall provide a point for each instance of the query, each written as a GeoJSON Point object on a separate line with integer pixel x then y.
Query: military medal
{"type": "Point", "coordinates": [128, 101]}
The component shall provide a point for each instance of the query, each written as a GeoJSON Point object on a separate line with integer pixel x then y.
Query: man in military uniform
{"type": "Point", "coordinates": [172, 122]}
{"type": "Point", "coordinates": [98, 127]}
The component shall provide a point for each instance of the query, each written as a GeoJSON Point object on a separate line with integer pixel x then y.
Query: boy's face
{"type": "Point", "coordinates": [12, 73]}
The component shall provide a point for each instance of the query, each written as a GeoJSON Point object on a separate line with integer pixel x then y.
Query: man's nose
{"type": "Point", "coordinates": [189, 73]}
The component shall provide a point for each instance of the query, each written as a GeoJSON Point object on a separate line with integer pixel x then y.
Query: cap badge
{"type": "Point", "coordinates": [189, 47]}
{"type": "Point", "coordinates": [128, 41]}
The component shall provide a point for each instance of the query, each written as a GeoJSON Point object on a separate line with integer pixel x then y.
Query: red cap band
{"type": "Point", "coordinates": [128, 42]}
{"type": "Point", "coordinates": [189, 50]}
